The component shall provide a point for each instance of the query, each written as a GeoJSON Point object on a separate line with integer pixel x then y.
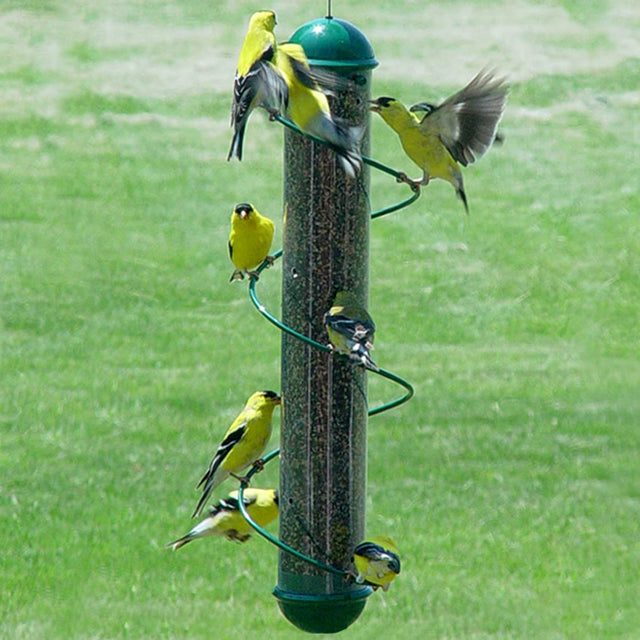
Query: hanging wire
{"type": "Point", "coordinates": [244, 483]}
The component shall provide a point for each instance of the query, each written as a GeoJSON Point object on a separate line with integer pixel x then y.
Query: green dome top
{"type": "Point", "coordinates": [332, 42]}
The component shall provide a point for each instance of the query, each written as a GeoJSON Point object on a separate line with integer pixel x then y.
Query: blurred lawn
{"type": "Point", "coordinates": [511, 481]}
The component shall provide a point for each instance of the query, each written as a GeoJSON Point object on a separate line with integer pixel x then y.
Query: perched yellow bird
{"type": "Point", "coordinates": [225, 518]}
{"type": "Point", "coordinates": [257, 83]}
{"type": "Point", "coordinates": [377, 562]}
{"type": "Point", "coordinates": [308, 107]}
{"type": "Point", "coordinates": [460, 130]}
{"type": "Point", "coordinates": [279, 79]}
{"type": "Point", "coordinates": [249, 241]}
{"type": "Point", "coordinates": [242, 445]}
{"type": "Point", "coordinates": [351, 329]}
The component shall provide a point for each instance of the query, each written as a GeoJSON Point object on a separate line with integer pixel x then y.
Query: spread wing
{"type": "Point", "coordinates": [313, 77]}
{"type": "Point", "coordinates": [466, 122]}
{"type": "Point", "coordinates": [263, 85]}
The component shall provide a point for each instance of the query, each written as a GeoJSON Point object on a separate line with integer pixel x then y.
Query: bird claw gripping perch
{"type": "Point", "coordinates": [416, 183]}
{"type": "Point", "coordinates": [257, 467]}
{"type": "Point", "coordinates": [268, 262]}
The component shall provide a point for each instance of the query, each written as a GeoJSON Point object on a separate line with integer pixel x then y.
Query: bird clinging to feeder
{"type": "Point", "coordinates": [377, 562]}
{"type": "Point", "coordinates": [309, 109]}
{"type": "Point", "coordinates": [279, 79]}
{"type": "Point", "coordinates": [242, 445]}
{"type": "Point", "coordinates": [351, 329]}
{"type": "Point", "coordinates": [225, 519]}
{"type": "Point", "coordinates": [255, 84]}
{"type": "Point", "coordinates": [249, 241]}
{"type": "Point", "coordinates": [460, 130]}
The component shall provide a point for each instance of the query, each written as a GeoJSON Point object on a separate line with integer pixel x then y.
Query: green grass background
{"type": "Point", "coordinates": [511, 481]}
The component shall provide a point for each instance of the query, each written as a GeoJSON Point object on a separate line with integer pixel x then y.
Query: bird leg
{"type": "Point", "coordinates": [351, 575]}
{"type": "Point", "coordinates": [354, 576]}
{"type": "Point", "coordinates": [232, 534]}
{"type": "Point", "coordinates": [257, 466]}
{"type": "Point", "coordinates": [242, 479]}
{"type": "Point", "coordinates": [337, 354]}
{"type": "Point", "coordinates": [272, 113]}
{"type": "Point", "coordinates": [269, 260]}
{"type": "Point", "coordinates": [417, 182]}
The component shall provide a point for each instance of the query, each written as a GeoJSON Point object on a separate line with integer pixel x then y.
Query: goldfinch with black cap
{"type": "Point", "coordinates": [249, 241]}
{"type": "Point", "coordinates": [257, 83]}
{"type": "Point", "coordinates": [457, 132]}
{"type": "Point", "coordinates": [377, 562]}
{"type": "Point", "coordinates": [242, 444]}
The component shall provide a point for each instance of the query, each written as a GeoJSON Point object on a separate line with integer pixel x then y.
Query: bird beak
{"type": "Point", "coordinates": [374, 106]}
{"type": "Point", "coordinates": [242, 210]}
{"type": "Point", "coordinates": [278, 401]}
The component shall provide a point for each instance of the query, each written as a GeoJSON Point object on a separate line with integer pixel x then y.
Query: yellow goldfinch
{"type": "Point", "coordinates": [257, 82]}
{"type": "Point", "coordinates": [249, 241]}
{"type": "Point", "coordinates": [278, 78]}
{"type": "Point", "coordinates": [460, 130]}
{"type": "Point", "coordinates": [308, 107]}
{"type": "Point", "coordinates": [377, 562]}
{"type": "Point", "coordinates": [351, 329]}
{"type": "Point", "coordinates": [242, 445]}
{"type": "Point", "coordinates": [225, 518]}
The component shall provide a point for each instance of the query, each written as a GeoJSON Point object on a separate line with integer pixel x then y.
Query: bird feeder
{"type": "Point", "coordinates": [324, 423]}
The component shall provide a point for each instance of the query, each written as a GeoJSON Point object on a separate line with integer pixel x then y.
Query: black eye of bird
{"type": "Point", "coordinates": [385, 101]}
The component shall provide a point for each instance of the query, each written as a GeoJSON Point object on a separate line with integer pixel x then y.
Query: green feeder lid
{"type": "Point", "coordinates": [332, 42]}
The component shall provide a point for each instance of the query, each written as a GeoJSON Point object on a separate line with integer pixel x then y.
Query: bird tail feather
{"type": "Point", "coordinates": [463, 196]}
{"type": "Point", "coordinates": [236, 144]}
{"type": "Point", "coordinates": [361, 355]}
{"type": "Point", "coordinates": [179, 543]}
{"type": "Point", "coordinates": [211, 480]}
{"type": "Point", "coordinates": [346, 144]}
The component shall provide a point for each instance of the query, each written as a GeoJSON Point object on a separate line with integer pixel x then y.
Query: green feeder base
{"type": "Point", "coordinates": [318, 613]}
